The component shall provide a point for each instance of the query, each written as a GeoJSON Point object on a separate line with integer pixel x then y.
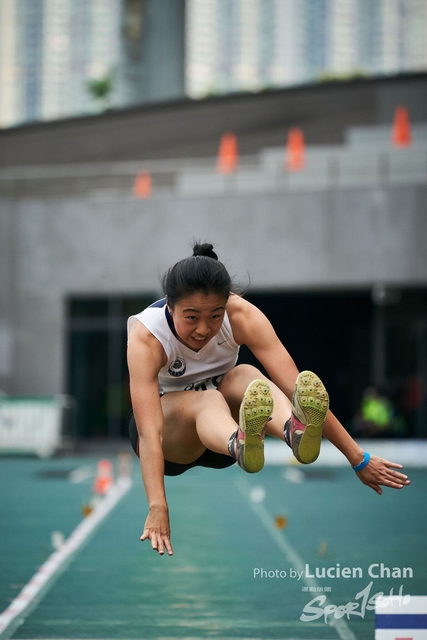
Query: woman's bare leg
{"type": "Point", "coordinates": [199, 420]}
{"type": "Point", "coordinates": [195, 421]}
{"type": "Point", "coordinates": [233, 386]}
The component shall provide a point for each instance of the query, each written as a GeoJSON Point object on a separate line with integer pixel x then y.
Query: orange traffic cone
{"type": "Point", "coordinates": [143, 185]}
{"type": "Point", "coordinates": [401, 131]}
{"type": "Point", "coordinates": [104, 478]}
{"type": "Point", "coordinates": [228, 155]}
{"type": "Point", "coordinates": [295, 150]}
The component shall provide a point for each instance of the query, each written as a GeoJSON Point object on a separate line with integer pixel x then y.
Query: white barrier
{"type": "Point", "coordinates": [410, 453]}
{"type": "Point", "coordinates": [32, 425]}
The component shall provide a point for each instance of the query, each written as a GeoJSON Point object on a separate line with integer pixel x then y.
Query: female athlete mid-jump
{"type": "Point", "coordinates": [192, 406]}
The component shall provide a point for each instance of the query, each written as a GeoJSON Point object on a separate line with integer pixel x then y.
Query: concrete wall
{"type": "Point", "coordinates": [50, 249]}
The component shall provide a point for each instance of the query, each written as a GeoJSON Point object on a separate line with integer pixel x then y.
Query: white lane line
{"type": "Point", "coordinates": [39, 583]}
{"type": "Point", "coordinates": [81, 474]}
{"type": "Point", "coordinates": [340, 625]}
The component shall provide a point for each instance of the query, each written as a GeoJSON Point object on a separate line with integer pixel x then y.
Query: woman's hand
{"type": "Point", "coordinates": [382, 472]}
{"type": "Point", "coordinates": [157, 530]}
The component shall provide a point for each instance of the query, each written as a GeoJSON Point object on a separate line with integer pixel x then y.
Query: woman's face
{"type": "Point", "coordinates": [198, 318]}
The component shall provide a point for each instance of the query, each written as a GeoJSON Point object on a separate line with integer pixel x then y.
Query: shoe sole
{"type": "Point", "coordinates": [255, 411]}
{"type": "Point", "coordinates": [310, 403]}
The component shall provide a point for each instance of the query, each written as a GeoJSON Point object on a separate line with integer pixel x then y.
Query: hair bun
{"type": "Point", "coordinates": [204, 250]}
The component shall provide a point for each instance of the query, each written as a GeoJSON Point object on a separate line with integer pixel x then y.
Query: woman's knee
{"type": "Point", "coordinates": [208, 398]}
{"type": "Point", "coordinates": [243, 374]}
{"type": "Point", "coordinates": [234, 384]}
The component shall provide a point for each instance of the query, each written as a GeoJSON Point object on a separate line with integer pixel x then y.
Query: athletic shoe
{"type": "Point", "coordinates": [310, 404]}
{"type": "Point", "coordinates": [255, 412]}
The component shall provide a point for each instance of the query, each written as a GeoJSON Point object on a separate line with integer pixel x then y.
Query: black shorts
{"type": "Point", "coordinates": [208, 459]}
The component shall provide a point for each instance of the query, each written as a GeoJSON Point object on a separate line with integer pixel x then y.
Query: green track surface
{"type": "Point", "coordinates": [117, 587]}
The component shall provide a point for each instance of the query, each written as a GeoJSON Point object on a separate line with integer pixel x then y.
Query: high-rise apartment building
{"type": "Point", "coordinates": [10, 80]}
{"type": "Point", "coordinates": [51, 49]}
{"type": "Point", "coordinates": [152, 56]}
{"type": "Point", "coordinates": [341, 36]}
{"type": "Point", "coordinates": [163, 49]}
{"type": "Point", "coordinates": [243, 45]}
{"type": "Point", "coordinates": [230, 46]}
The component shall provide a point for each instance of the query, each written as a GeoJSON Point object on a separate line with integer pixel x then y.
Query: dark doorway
{"type": "Point", "coordinates": [355, 340]}
{"type": "Point", "coordinates": [329, 333]}
{"type": "Point", "coordinates": [97, 366]}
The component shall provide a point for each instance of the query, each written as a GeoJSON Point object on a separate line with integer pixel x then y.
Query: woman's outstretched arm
{"type": "Point", "coordinates": [252, 328]}
{"type": "Point", "coordinates": [145, 359]}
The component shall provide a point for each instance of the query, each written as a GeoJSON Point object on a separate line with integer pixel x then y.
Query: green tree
{"type": "Point", "coordinates": [100, 90]}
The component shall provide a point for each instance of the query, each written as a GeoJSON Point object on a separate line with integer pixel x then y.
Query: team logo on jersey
{"type": "Point", "coordinates": [177, 368]}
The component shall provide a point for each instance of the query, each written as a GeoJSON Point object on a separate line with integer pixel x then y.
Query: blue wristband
{"type": "Point", "coordinates": [362, 465]}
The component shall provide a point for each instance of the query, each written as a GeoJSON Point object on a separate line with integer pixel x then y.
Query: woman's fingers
{"type": "Point", "coordinates": [159, 541]}
{"type": "Point", "coordinates": [157, 530]}
{"type": "Point", "coordinates": [396, 479]}
{"type": "Point", "coordinates": [168, 546]}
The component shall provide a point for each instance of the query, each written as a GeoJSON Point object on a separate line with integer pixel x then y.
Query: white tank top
{"type": "Point", "coordinates": [187, 369]}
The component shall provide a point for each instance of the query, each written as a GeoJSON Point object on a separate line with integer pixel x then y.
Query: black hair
{"type": "Point", "coordinates": [200, 273]}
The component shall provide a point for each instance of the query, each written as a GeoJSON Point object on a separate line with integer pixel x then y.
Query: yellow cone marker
{"type": "Point", "coordinates": [323, 546]}
{"type": "Point", "coordinates": [281, 522]}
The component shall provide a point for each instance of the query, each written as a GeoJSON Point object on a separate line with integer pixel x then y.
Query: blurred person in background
{"type": "Point", "coordinates": [378, 417]}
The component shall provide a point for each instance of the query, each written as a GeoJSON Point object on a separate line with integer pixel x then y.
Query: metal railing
{"type": "Point", "coordinates": [327, 167]}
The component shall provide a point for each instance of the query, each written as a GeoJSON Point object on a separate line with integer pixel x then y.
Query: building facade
{"type": "Point", "coordinates": [50, 50]}
{"type": "Point", "coordinates": [247, 46]}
